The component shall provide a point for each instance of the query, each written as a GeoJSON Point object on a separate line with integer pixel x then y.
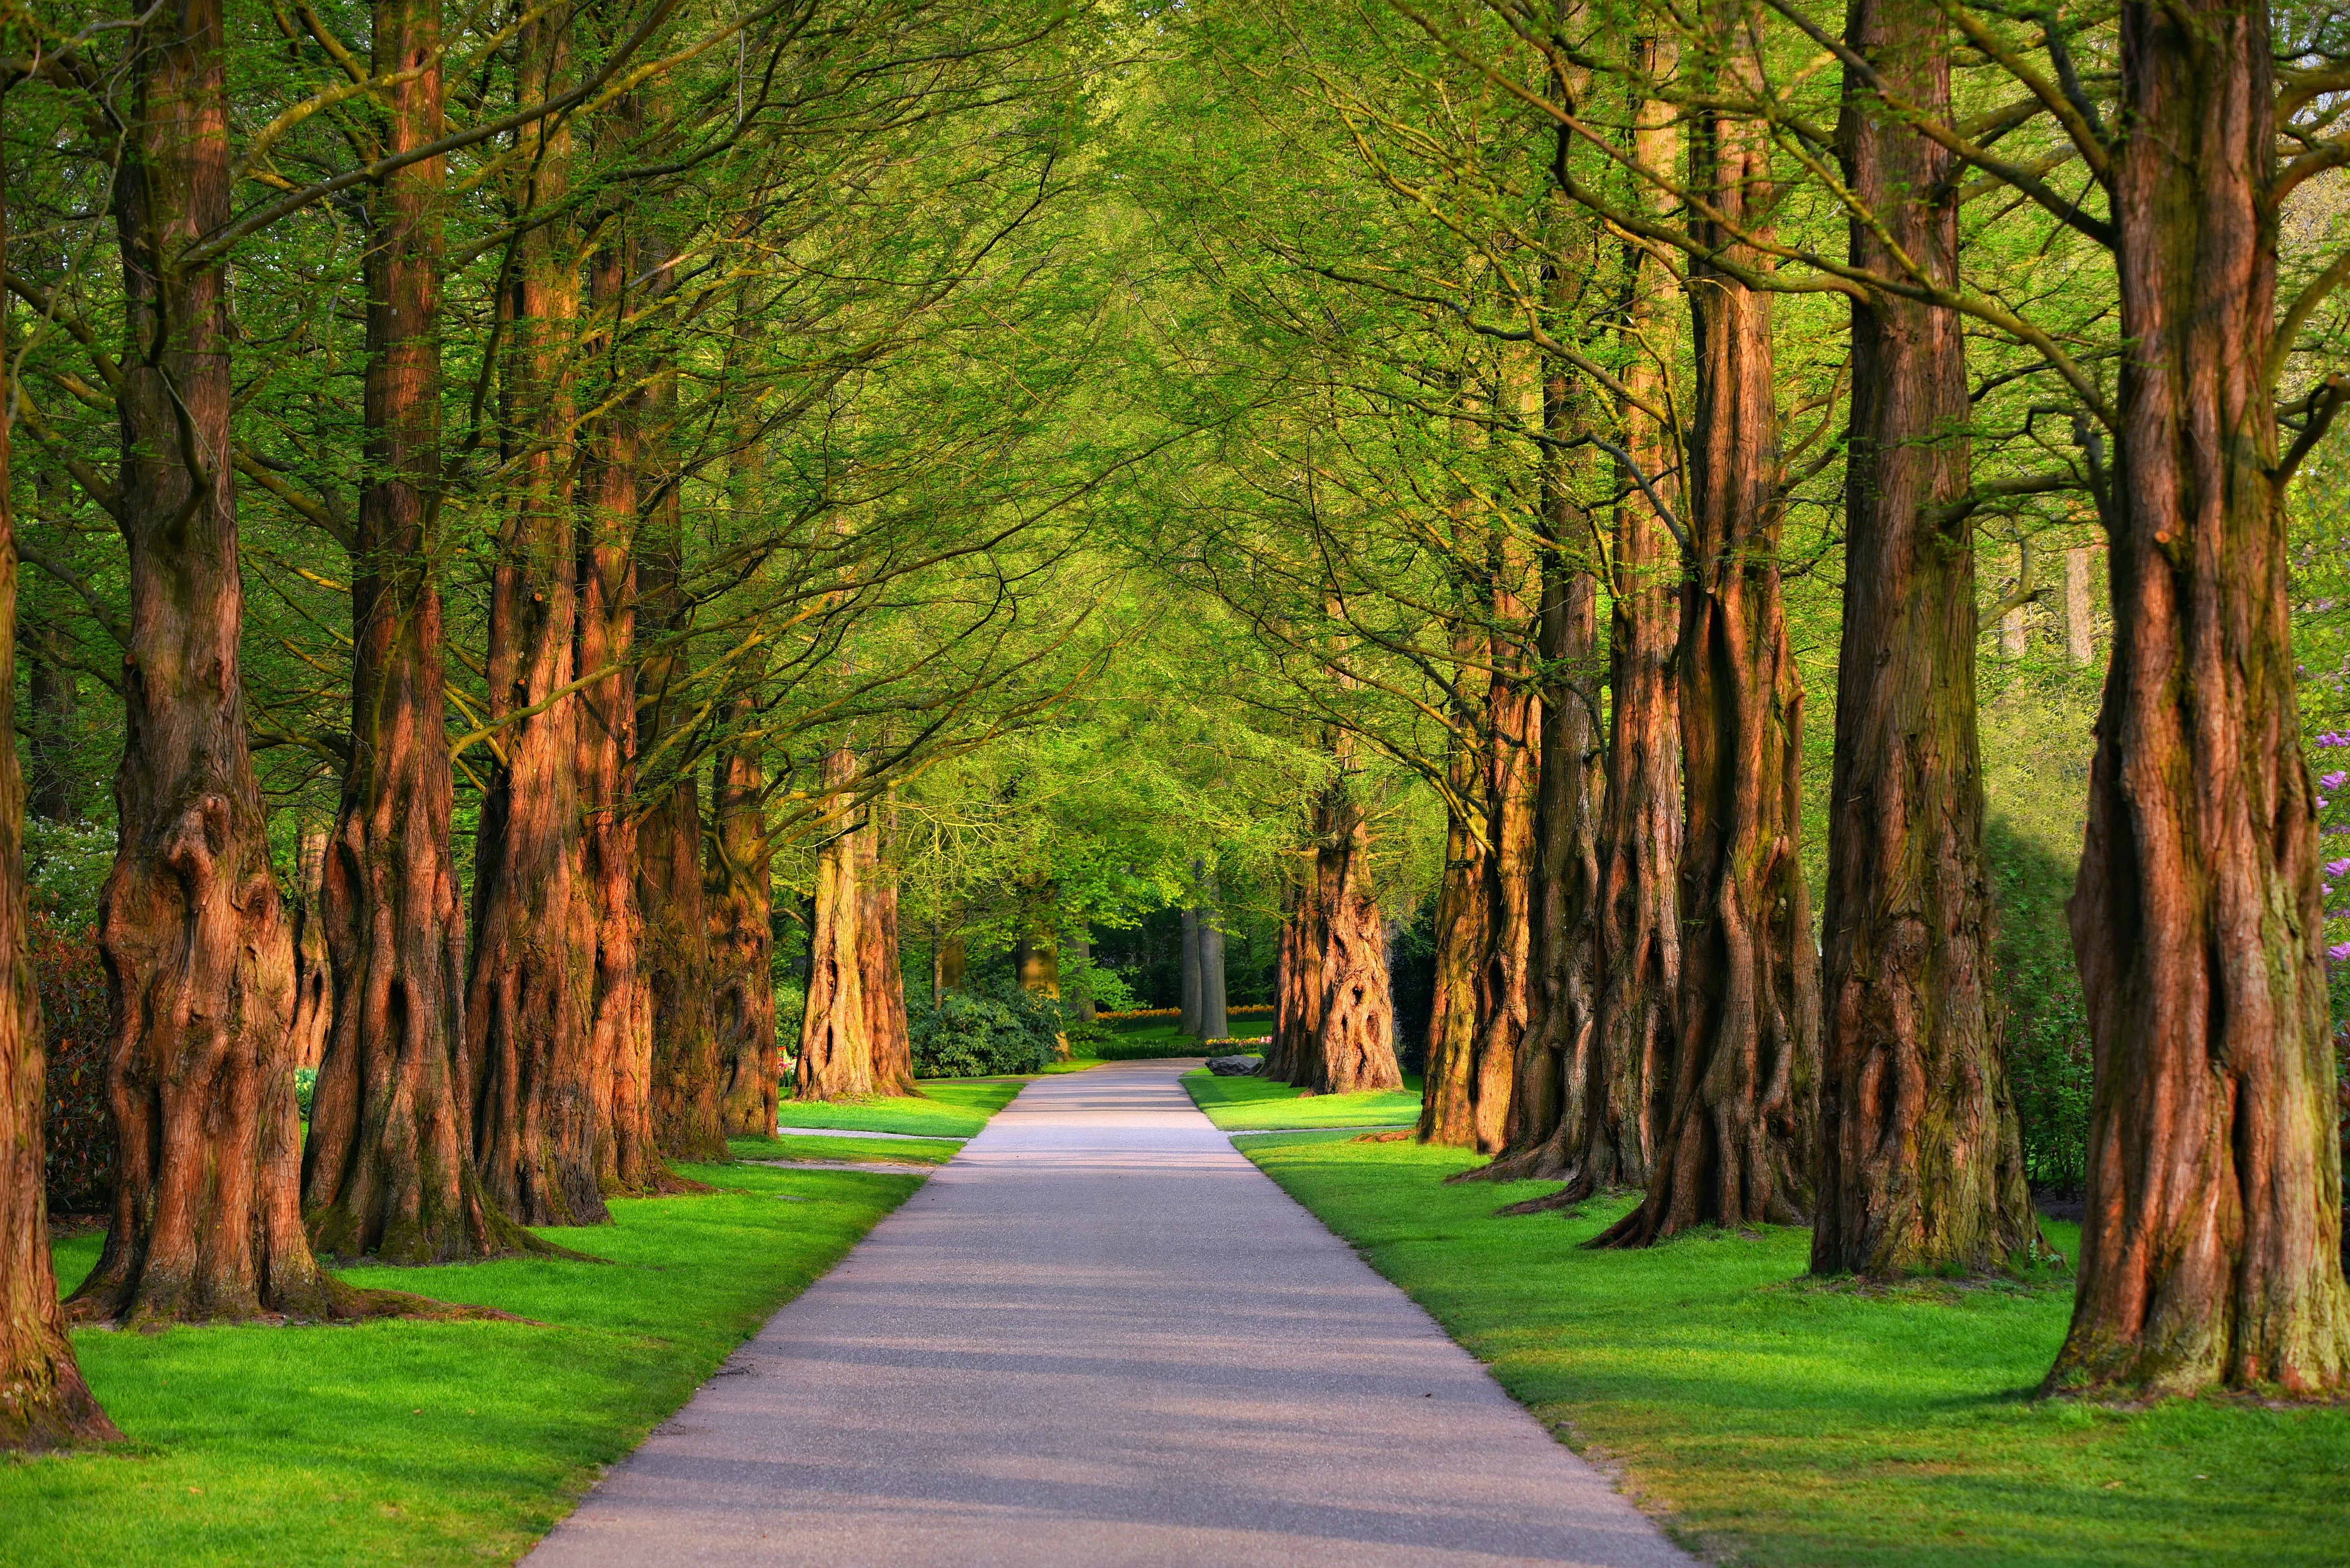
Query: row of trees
{"type": "Point", "coordinates": [1512, 321]}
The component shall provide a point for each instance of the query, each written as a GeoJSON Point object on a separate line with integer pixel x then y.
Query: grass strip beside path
{"type": "Point", "coordinates": [947, 1108]}
{"type": "Point", "coordinates": [1787, 1423]}
{"type": "Point", "coordinates": [1246, 1105]}
{"type": "Point", "coordinates": [428, 1443]}
{"type": "Point", "coordinates": [888, 1151]}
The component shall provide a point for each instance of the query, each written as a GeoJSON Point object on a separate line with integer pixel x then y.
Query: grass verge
{"type": "Point", "coordinates": [1243, 1105]}
{"type": "Point", "coordinates": [947, 1108]}
{"type": "Point", "coordinates": [888, 1151]}
{"type": "Point", "coordinates": [428, 1443]}
{"type": "Point", "coordinates": [1786, 1423]}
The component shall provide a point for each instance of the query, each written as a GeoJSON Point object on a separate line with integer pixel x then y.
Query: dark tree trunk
{"type": "Point", "coordinates": [1296, 980]}
{"type": "Point", "coordinates": [388, 1165]}
{"type": "Point", "coordinates": [207, 1222]}
{"type": "Point", "coordinates": [1463, 913]}
{"type": "Point", "coordinates": [1737, 1145]}
{"type": "Point", "coordinates": [836, 1057]}
{"type": "Point", "coordinates": [1188, 1021]}
{"type": "Point", "coordinates": [314, 982]}
{"type": "Point", "coordinates": [739, 897]}
{"type": "Point", "coordinates": [44, 1402]}
{"type": "Point", "coordinates": [2210, 1249]}
{"type": "Point", "coordinates": [1922, 1160]}
{"type": "Point", "coordinates": [528, 1064]}
{"type": "Point", "coordinates": [883, 981]}
{"type": "Point", "coordinates": [1352, 1045]}
{"type": "Point", "coordinates": [1215, 1018]}
{"type": "Point", "coordinates": [1080, 943]}
{"type": "Point", "coordinates": [53, 692]}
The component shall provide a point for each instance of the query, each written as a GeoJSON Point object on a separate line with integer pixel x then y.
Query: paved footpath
{"type": "Point", "coordinates": [1100, 1336]}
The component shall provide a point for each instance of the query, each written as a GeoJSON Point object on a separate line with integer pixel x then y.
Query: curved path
{"type": "Point", "coordinates": [1101, 1337]}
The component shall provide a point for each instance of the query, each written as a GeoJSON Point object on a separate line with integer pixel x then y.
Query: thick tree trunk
{"type": "Point", "coordinates": [1296, 982]}
{"type": "Point", "coordinates": [1353, 1041]}
{"type": "Point", "coordinates": [835, 1057]}
{"type": "Point", "coordinates": [528, 1064]}
{"type": "Point", "coordinates": [1463, 913]}
{"type": "Point", "coordinates": [389, 1167]}
{"type": "Point", "coordinates": [207, 1221]}
{"type": "Point", "coordinates": [1737, 1146]}
{"type": "Point", "coordinates": [1188, 1021]}
{"type": "Point", "coordinates": [44, 1402]}
{"type": "Point", "coordinates": [1921, 1162]}
{"type": "Point", "coordinates": [883, 980]}
{"type": "Point", "coordinates": [2210, 1252]}
{"type": "Point", "coordinates": [739, 899]}
{"type": "Point", "coordinates": [314, 982]}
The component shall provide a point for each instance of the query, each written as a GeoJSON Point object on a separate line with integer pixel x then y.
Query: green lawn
{"type": "Point", "coordinates": [947, 1108]}
{"type": "Point", "coordinates": [889, 1151]}
{"type": "Point", "coordinates": [428, 1443]}
{"type": "Point", "coordinates": [1786, 1423]}
{"type": "Point", "coordinates": [1241, 1105]}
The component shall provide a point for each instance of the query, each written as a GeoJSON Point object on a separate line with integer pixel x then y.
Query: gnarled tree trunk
{"type": "Point", "coordinates": [1737, 1146]}
{"type": "Point", "coordinates": [1296, 980]}
{"type": "Point", "coordinates": [389, 1167]}
{"type": "Point", "coordinates": [1353, 1042]}
{"type": "Point", "coordinates": [739, 897]}
{"type": "Point", "coordinates": [207, 1221]}
{"type": "Point", "coordinates": [44, 1401]}
{"type": "Point", "coordinates": [1922, 1160]}
{"type": "Point", "coordinates": [314, 982]}
{"type": "Point", "coordinates": [2210, 1249]}
{"type": "Point", "coordinates": [884, 980]}
{"type": "Point", "coordinates": [527, 1064]}
{"type": "Point", "coordinates": [836, 1058]}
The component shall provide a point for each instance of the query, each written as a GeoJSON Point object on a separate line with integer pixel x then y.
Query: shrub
{"type": "Point", "coordinates": [78, 1128]}
{"type": "Point", "coordinates": [981, 1032]}
{"type": "Point", "coordinates": [2046, 1035]}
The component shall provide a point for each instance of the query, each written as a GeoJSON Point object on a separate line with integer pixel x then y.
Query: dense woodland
{"type": "Point", "coordinates": [1753, 587]}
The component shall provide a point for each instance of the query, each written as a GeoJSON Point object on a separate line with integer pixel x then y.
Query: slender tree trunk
{"type": "Point", "coordinates": [1738, 1144]}
{"type": "Point", "coordinates": [389, 1167]}
{"type": "Point", "coordinates": [44, 1402]}
{"type": "Point", "coordinates": [54, 696]}
{"type": "Point", "coordinates": [527, 1063]}
{"type": "Point", "coordinates": [836, 1058]}
{"type": "Point", "coordinates": [1080, 944]}
{"type": "Point", "coordinates": [1353, 1042]}
{"type": "Point", "coordinates": [2210, 1252]}
{"type": "Point", "coordinates": [740, 900]}
{"type": "Point", "coordinates": [207, 1221]}
{"type": "Point", "coordinates": [2079, 628]}
{"type": "Point", "coordinates": [1921, 1162]}
{"type": "Point", "coordinates": [1215, 1018]}
{"type": "Point", "coordinates": [1188, 1022]}
{"type": "Point", "coordinates": [883, 980]}
{"type": "Point", "coordinates": [314, 982]}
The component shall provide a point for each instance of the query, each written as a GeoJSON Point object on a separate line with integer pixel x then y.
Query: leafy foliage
{"type": "Point", "coordinates": [78, 1128]}
{"type": "Point", "coordinates": [976, 1034]}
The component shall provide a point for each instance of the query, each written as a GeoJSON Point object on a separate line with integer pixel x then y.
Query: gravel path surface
{"type": "Point", "coordinates": [1100, 1336]}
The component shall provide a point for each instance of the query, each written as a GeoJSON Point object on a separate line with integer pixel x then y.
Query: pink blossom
{"type": "Point", "coordinates": [2339, 952]}
{"type": "Point", "coordinates": [2338, 868]}
{"type": "Point", "coordinates": [2334, 780]}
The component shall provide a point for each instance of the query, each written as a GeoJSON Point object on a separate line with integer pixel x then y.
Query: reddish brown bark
{"type": "Point", "coordinates": [1297, 979]}
{"type": "Point", "coordinates": [314, 983]}
{"type": "Point", "coordinates": [207, 1221]}
{"type": "Point", "coordinates": [835, 1055]}
{"type": "Point", "coordinates": [44, 1402]}
{"type": "Point", "coordinates": [739, 901]}
{"type": "Point", "coordinates": [1352, 1046]}
{"type": "Point", "coordinates": [883, 980]}
{"type": "Point", "coordinates": [1737, 1145]}
{"type": "Point", "coordinates": [526, 1061]}
{"type": "Point", "coordinates": [388, 1169]}
{"type": "Point", "coordinates": [2210, 1249]}
{"type": "Point", "coordinates": [1449, 1112]}
{"type": "Point", "coordinates": [1921, 1162]}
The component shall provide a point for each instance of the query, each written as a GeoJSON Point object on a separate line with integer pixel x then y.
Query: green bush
{"type": "Point", "coordinates": [2046, 1023]}
{"type": "Point", "coordinates": [76, 1124]}
{"type": "Point", "coordinates": [980, 1032]}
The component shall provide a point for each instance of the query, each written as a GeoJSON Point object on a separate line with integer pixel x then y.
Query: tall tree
{"type": "Point", "coordinates": [1353, 1045]}
{"type": "Point", "coordinates": [1921, 1162]}
{"type": "Point", "coordinates": [739, 895]}
{"type": "Point", "coordinates": [836, 1053]}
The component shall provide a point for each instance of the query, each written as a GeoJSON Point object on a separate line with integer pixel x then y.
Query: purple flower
{"type": "Point", "coordinates": [2334, 780]}
{"type": "Point", "coordinates": [2339, 952]}
{"type": "Point", "coordinates": [2338, 868]}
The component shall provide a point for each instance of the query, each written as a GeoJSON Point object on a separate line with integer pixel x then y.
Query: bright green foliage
{"type": "Point", "coordinates": [421, 1442]}
{"type": "Point", "coordinates": [971, 1034]}
{"type": "Point", "coordinates": [1243, 1105]}
{"type": "Point", "coordinates": [945, 1108]}
{"type": "Point", "coordinates": [885, 1151]}
{"type": "Point", "coordinates": [1783, 1422]}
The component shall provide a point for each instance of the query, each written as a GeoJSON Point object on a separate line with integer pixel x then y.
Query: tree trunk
{"type": "Point", "coordinates": [2079, 648]}
{"type": "Point", "coordinates": [1188, 1022]}
{"type": "Point", "coordinates": [1353, 1043]}
{"type": "Point", "coordinates": [1463, 912]}
{"type": "Point", "coordinates": [739, 897]}
{"type": "Point", "coordinates": [207, 1221]}
{"type": "Point", "coordinates": [1297, 984]}
{"type": "Point", "coordinates": [1922, 1160]}
{"type": "Point", "coordinates": [1080, 944]}
{"type": "Point", "coordinates": [836, 1058]}
{"type": "Point", "coordinates": [314, 984]}
{"type": "Point", "coordinates": [44, 1402]}
{"type": "Point", "coordinates": [2210, 1249]}
{"type": "Point", "coordinates": [53, 690]}
{"type": "Point", "coordinates": [1215, 1018]}
{"type": "Point", "coordinates": [388, 1165]}
{"type": "Point", "coordinates": [1737, 1144]}
{"type": "Point", "coordinates": [883, 980]}
{"type": "Point", "coordinates": [527, 1062]}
